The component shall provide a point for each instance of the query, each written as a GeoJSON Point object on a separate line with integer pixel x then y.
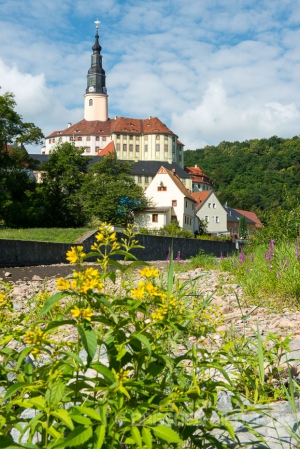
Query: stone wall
{"type": "Point", "coordinates": [14, 253]}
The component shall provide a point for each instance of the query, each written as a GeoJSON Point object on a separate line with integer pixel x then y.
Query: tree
{"type": "Point", "coordinates": [12, 127]}
{"type": "Point", "coordinates": [243, 231]}
{"type": "Point", "coordinates": [63, 177]}
{"type": "Point", "coordinates": [109, 193]}
{"type": "Point", "coordinates": [17, 183]}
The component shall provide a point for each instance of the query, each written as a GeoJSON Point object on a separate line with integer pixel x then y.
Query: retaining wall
{"type": "Point", "coordinates": [18, 253]}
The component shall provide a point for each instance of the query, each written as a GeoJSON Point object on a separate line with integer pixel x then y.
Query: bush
{"type": "Point", "coordinates": [102, 365]}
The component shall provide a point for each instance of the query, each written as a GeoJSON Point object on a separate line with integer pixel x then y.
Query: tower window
{"type": "Point", "coordinates": [137, 148]}
{"type": "Point", "coordinates": [92, 81]}
{"type": "Point", "coordinates": [104, 138]}
{"type": "Point", "coordinates": [130, 147]}
{"type": "Point", "coordinates": [137, 137]}
{"type": "Point", "coordinates": [118, 147]}
{"type": "Point", "coordinates": [90, 102]}
{"type": "Point", "coordinates": [131, 137]}
{"type": "Point", "coordinates": [157, 137]}
{"type": "Point", "coordinates": [145, 137]}
{"type": "Point", "coordinates": [88, 138]}
{"type": "Point", "coordinates": [166, 137]}
{"type": "Point", "coordinates": [124, 146]}
{"type": "Point", "coordinates": [118, 136]}
{"type": "Point", "coordinates": [97, 137]}
{"type": "Point", "coordinates": [157, 147]}
{"type": "Point", "coordinates": [146, 147]}
{"type": "Point", "coordinates": [166, 147]}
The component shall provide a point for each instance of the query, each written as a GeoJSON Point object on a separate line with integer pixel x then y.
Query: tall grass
{"type": "Point", "coordinates": [272, 269]}
{"type": "Point", "coordinates": [60, 235]}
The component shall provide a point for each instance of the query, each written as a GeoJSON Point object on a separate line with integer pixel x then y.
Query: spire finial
{"type": "Point", "coordinates": [97, 24]}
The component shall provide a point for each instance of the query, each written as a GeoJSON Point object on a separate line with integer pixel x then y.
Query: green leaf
{"type": "Point", "coordinates": [51, 302]}
{"type": "Point", "coordinates": [77, 437]}
{"type": "Point", "coordinates": [54, 395]}
{"type": "Point", "coordinates": [137, 436]}
{"type": "Point", "coordinates": [124, 391]}
{"type": "Point", "coordinates": [100, 435]}
{"type": "Point", "coordinates": [166, 433]}
{"type": "Point", "coordinates": [74, 357]}
{"type": "Point", "coordinates": [64, 417]}
{"type": "Point", "coordinates": [14, 388]}
{"type": "Point", "coordinates": [143, 340]}
{"type": "Point", "coordinates": [22, 355]}
{"type": "Point", "coordinates": [147, 437]}
{"type": "Point", "coordinates": [106, 373]}
{"type": "Point", "coordinates": [89, 340]}
{"type": "Point", "coordinates": [152, 419]}
{"type": "Point", "coordinates": [53, 324]}
{"type": "Point", "coordinates": [81, 419]}
{"type": "Point", "coordinates": [37, 402]}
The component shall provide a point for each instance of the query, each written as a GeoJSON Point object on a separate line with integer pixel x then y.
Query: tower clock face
{"type": "Point", "coordinates": [91, 89]}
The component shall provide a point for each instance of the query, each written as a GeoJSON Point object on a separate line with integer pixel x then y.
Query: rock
{"type": "Point", "coordinates": [7, 274]}
{"type": "Point", "coordinates": [36, 278]}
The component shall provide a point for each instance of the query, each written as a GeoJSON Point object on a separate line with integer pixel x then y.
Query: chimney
{"type": "Point", "coordinates": [69, 124]}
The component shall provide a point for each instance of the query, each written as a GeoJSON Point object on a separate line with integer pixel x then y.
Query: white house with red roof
{"type": "Point", "coordinates": [133, 139]}
{"type": "Point", "coordinates": [209, 209]}
{"type": "Point", "coordinates": [170, 200]}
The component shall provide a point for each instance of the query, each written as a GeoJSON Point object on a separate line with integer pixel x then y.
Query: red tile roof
{"type": "Point", "coordinates": [198, 175]}
{"type": "Point", "coordinates": [252, 216]}
{"type": "Point", "coordinates": [201, 197]}
{"type": "Point", "coordinates": [110, 148]}
{"type": "Point", "coordinates": [177, 182]}
{"type": "Point", "coordinates": [118, 125]}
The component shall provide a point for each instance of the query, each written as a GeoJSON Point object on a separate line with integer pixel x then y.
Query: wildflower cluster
{"type": "Point", "coordinates": [106, 244]}
{"type": "Point", "coordinates": [122, 376]}
{"type": "Point", "coordinates": [35, 336]}
{"type": "Point", "coordinates": [76, 255]}
{"type": "Point", "coordinates": [83, 282]}
{"type": "Point", "coordinates": [81, 314]}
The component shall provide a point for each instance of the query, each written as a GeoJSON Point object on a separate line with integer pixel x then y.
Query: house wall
{"type": "Point", "coordinates": [215, 213]}
{"type": "Point", "coordinates": [145, 220]}
{"type": "Point", "coordinates": [234, 226]}
{"type": "Point", "coordinates": [165, 198]}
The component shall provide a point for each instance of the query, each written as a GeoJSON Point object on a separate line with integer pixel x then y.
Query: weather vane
{"type": "Point", "coordinates": [97, 23]}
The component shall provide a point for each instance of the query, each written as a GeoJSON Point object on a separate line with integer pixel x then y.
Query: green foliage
{"type": "Point", "coordinates": [61, 200]}
{"type": "Point", "coordinates": [170, 230]}
{"type": "Point", "coordinates": [243, 231]}
{"type": "Point", "coordinates": [149, 377]}
{"type": "Point", "coordinates": [251, 175]}
{"type": "Point", "coordinates": [107, 182]}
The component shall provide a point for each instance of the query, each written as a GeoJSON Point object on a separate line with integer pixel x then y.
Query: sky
{"type": "Point", "coordinates": [211, 70]}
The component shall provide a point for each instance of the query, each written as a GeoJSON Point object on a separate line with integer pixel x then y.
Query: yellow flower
{"type": "Point", "coordinates": [87, 314]}
{"type": "Point", "coordinates": [34, 337]}
{"type": "Point", "coordinates": [76, 312]}
{"type": "Point", "coordinates": [148, 272]}
{"type": "Point", "coordinates": [76, 254]}
{"type": "Point", "coordinates": [139, 292]}
{"type": "Point", "coordinates": [62, 284]}
{"type": "Point", "coordinates": [151, 289]}
{"type": "Point", "coordinates": [99, 237]}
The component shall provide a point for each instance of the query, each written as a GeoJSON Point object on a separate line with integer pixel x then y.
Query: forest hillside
{"type": "Point", "coordinates": [256, 175]}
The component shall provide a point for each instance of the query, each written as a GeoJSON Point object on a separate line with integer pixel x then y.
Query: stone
{"type": "Point", "coordinates": [7, 274]}
{"type": "Point", "coordinates": [36, 278]}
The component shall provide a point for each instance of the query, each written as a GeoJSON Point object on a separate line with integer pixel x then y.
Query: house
{"type": "Point", "coordinates": [253, 217]}
{"type": "Point", "coordinates": [201, 181]}
{"type": "Point", "coordinates": [233, 219]}
{"type": "Point", "coordinates": [147, 139]}
{"type": "Point", "coordinates": [210, 210]}
{"type": "Point", "coordinates": [170, 199]}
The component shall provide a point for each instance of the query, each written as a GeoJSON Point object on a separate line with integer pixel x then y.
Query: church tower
{"type": "Point", "coordinates": [96, 98]}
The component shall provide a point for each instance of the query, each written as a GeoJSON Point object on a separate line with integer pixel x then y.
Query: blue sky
{"type": "Point", "coordinates": [211, 70]}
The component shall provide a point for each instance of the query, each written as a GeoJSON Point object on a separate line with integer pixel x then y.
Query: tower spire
{"type": "Point", "coordinates": [95, 102]}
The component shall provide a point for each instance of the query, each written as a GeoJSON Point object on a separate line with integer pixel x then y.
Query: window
{"type": "Point", "coordinates": [131, 137]}
{"type": "Point", "coordinates": [174, 203]}
{"type": "Point", "coordinates": [97, 138]}
{"type": "Point", "coordinates": [206, 218]}
{"type": "Point", "coordinates": [60, 139]}
{"type": "Point", "coordinates": [173, 217]}
{"type": "Point", "coordinates": [103, 138]}
{"type": "Point", "coordinates": [118, 136]}
{"type": "Point", "coordinates": [161, 188]}
{"type": "Point", "coordinates": [71, 139]}
{"type": "Point", "coordinates": [96, 149]}
{"type": "Point", "coordinates": [157, 137]}
{"type": "Point", "coordinates": [124, 146]}
{"type": "Point", "coordinates": [180, 158]}
{"type": "Point", "coordinates": [146, 179]}
{"type": "Point", "coordinates": [118, 147]}
{"type": "Point", "coordinates": [90, 102]}
{"type": "Point", "coordinates": [186, 204]}
{"type": "Point", "coordinates": [137, 148]}
{"type": "Point", "coordinates": [214, 205]}
{"type": "Point", "coordinates": [166, 137]}
{"type": "Point", "coordinates": [146, 147]}
{"type": "Point", "coordinates": [87, 149]}
{"type": "Point", "coordinates": [137, 137]}
{"type": "Point", "coordinates": [139, 179]}
{"type": "Point", "coordinates": [130, 147]}
{"type": "Point", "coordinates": [230, 230]}
{"type": "Point", "coordinates": [79, 138]}
{"type": "Point", "coordinates": [217, 220]}
{"type": "Point", "coordinates": [154, 218]}
{"type": "Point", "coordinates": [183, 181]}
{"type": "Point", "coordinates": [157, 147]}
{"type": "Point", "coordinates": [190, 221]}
{"type": "Point", "coordinates": [145, 137]}
{"type": "Point", "coordinates": [166, 147]}
{"type": "Point", "coordinates": [209, 205]}
{"type": "Point", "coordinates": [88, 138]}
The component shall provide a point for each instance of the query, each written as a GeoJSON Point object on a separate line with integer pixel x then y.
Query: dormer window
{"type": "Point", "coordinates": [91, 102]}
